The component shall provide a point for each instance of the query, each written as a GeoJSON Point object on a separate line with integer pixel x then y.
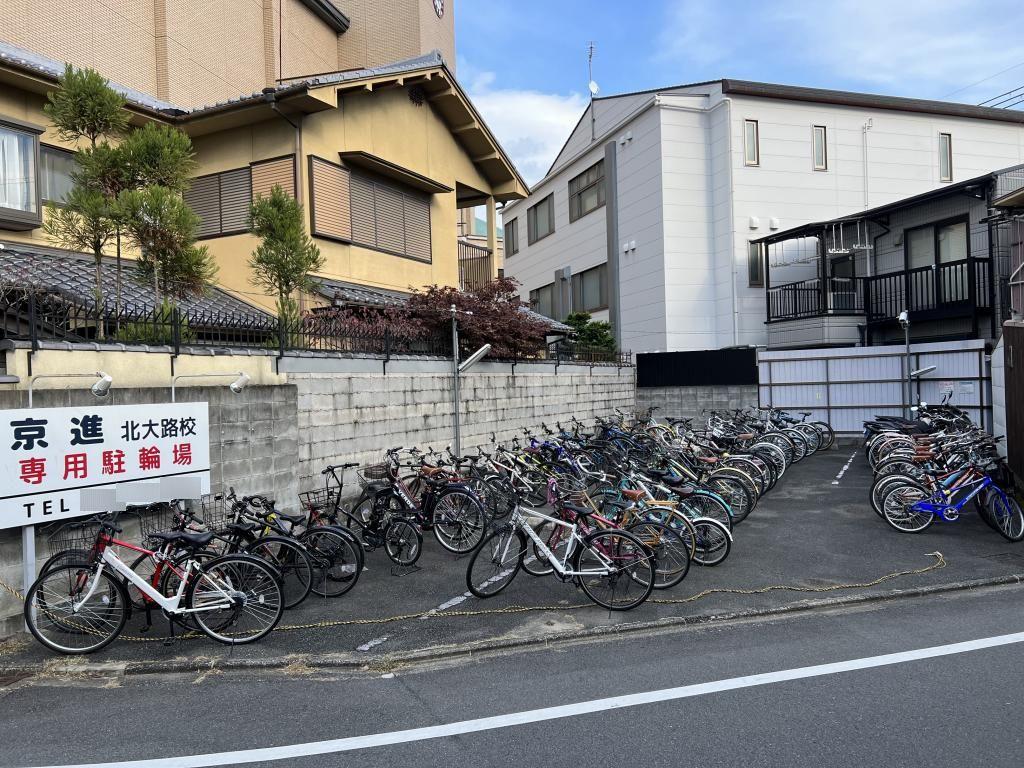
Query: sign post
{"type": "Point", "coordinates": [63, 463]}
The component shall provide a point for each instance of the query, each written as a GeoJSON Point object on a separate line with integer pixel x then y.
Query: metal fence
{"type": "Point", "coordinates": [475, 266]}
{"type": "Point", "coordinates": [36, 316]}
{"type": "Point", "coordinates": [849, 386]}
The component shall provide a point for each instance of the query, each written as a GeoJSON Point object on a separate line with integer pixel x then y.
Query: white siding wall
{"type": "Point", "coordinates": [903, 160]}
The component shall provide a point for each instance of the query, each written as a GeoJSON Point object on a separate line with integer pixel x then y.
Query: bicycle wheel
{"type": "Point", "coordinates": [403, 542]}
{"type": "Point", "coordinates": [236, 599]}
{"type": "Point", "coordinates": [615, 569]}
{"type": "Point", "coordinates": [713, 542]}
{"type": "Point", "coordinates": [811, 436]}
{"type": "Point", "coordinates": [499, 497]}
{"type": "Point", "coordinates": [828, 435]}
{"type": "Point", "coordinates": [536, 563]}
{"type": "Point", "coordinates": [897, 508]}
{"type": "Point", "coordinates": [496, 561]}
{"type": "Point", "coordinates": [459, 521]}
{"type": "Point", "coordinates": [671, 552]}
{"type": "Point", "coordinates": [64, 557]}
{"type": "Point", "coordinates": [337, 561]}
{"type": "Point", "coordinates": [800, 447]}
{"type": "Point", "coordinates": [59, 616]}
{"type": "Point", "coordinates": [704, 504]}
{"type": "Point", "coordinates": [1007, 516]}
{"type": "Point", "coordinates": [734, 491]}
{"type": "Point", "coordinates": [293, 564]}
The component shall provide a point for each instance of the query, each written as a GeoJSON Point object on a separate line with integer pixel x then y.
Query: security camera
{"type": "Point", "coordinates": [102, 387]}
{"type": "Point", "coordinates": [240, 383]}
{"type": "Point", "coordinates": [904, 318]}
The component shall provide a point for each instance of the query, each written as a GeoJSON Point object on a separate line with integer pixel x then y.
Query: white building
{"type": "Point", "coordinates": [660, 193]}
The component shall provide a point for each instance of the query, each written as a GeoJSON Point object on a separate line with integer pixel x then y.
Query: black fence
{"type": "Point", "coordinates": [36, 316]}
{"type": "Point", "coordinates": [706, 367]}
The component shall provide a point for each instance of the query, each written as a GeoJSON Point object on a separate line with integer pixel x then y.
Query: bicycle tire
{"type": "Point", "coordinates": [829, 434]}
{"type": "Point", "coordinates": [1007, 516]}
{"type": "Point", "coordinates": [498, 559]}
{"type": "Point", "coordinates": [896, 512]}
{"type": "Point", "coordinates": [109, 607]}
{"type": "Point", "coordinates": [403, 543]}
{"type": "Point", "coordinates": [630, 563]}
{"type": "Point", "coordinates": [292, 562]}
{"type": "Point", "coordinates": [671, 552]}
{"type": "Point", "coordinates": [714, 542]}
{"type": "Point", "coordinates": [251, 582]}
{"type": "Point", "coordinates": [337, 560]}
{"type": "Point", "coordinates": [459, 521]}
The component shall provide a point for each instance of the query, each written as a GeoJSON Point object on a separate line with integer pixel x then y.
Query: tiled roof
{"type": "Point", "coordinates": [73, 275]}
{"type": "Point", "coordinates": [349, 293]}
{"type": "Point", "coordinates": [25, 59]}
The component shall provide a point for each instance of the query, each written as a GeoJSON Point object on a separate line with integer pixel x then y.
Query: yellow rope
{"type": "Point", "coordinates": [940, 562]}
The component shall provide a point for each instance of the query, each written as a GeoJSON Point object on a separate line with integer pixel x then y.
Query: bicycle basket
{"type": "Point", "coordinates": [372, 473]}
{"type": "Point", "coordinates": [216, 511]}
{"type": "Point", "coordinates": [320, 499]}
{"type": "Point", "coordinates": [72, 536]}
{"type": "Point", "coordinates": [155, 519]}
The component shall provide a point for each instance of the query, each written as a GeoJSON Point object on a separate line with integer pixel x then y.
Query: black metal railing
{"type": "Point", "coordinates": [952, 287]}
{"type": "Point", "coordinates": [808, 298]}
{"type": "Point", "coordinates": [36, 316]}
{"type": "Point", "coordinates": [476, 267]}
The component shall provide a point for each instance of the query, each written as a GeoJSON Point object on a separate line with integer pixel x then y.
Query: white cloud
{"type": "Point", "coordinates": [531, 125]}
{"type": "Point", "coordinates": [925, 48]}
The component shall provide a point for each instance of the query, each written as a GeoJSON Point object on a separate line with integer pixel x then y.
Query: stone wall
{"type": "Point", "coordinates": [691, 402]}
{"type": "Point", "coordinates": [351, 410]}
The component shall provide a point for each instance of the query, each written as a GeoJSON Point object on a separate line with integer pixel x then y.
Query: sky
{"type": "Point", "coordinates": [524, 63]}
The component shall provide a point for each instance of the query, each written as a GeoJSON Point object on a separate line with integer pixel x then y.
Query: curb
{"type": "Point", "coordinates": [353, 661]}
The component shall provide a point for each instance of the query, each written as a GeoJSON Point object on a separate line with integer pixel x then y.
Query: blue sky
{"type": "Point", "coordinates": [524, 62]}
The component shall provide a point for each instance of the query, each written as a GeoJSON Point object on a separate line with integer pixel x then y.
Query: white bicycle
{"type": "Point", "coordinates": [80, 607]}
{"type": "Point", "coordinates": [611, 566]}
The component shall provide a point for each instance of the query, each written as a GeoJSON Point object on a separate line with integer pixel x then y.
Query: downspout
{"type": "Point", "coordinates": [732, 218]}
{"type": "Point", "coordinates": [864, 149]}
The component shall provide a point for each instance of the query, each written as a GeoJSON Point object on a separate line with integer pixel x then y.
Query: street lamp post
{"type": "Point", "coordinates": [459, 368]}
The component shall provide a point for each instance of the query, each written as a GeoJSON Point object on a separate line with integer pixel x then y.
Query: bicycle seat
{"type": "Point", "coordinates": [294, 518]}
{"type": "Point", "coordinates": [578, 510]}
{"type": "Point", "coordinates": [745, 436]}
{"type": "Point", "coordinates": [632, 495]}
{"type": "Point", "coordinates": [184, 538]}
{"type": "Point", "coordinates": [242, 527]}
{"type": "Point", "coordinates": [708, 459]}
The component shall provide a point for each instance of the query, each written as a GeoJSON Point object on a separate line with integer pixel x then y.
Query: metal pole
{"type": "Point", "coordinates": [455, 382]}
{"type": "Point", "coordinates": [906, 365]}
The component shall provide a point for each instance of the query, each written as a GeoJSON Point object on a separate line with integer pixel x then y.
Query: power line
{"type": "Point", "coordinates": [996, 100]}
{"type": "Point", "coordinates": [985, 79]}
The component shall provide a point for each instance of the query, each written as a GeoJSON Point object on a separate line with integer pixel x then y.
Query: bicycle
{"type": "Point", "coordinates": [79, 608]}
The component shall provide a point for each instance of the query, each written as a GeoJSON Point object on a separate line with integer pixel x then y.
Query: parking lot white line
{"type": "Point", "coordinates": [371, 643]}
{"type": "Point", "coordinates": [846, 466]}
{"type": "Point", "coordinates": [333, 746]}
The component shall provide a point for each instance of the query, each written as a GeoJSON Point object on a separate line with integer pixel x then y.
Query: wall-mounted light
{"type": "Point", "coordinates": [100, 389]}
{"type": "Point", "coordinates": [236, 386]}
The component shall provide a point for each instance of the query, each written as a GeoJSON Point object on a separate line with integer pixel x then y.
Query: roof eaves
{"type": "Point", "coordinates": [853, 99]}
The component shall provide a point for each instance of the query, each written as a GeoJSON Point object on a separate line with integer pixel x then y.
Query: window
{"type": "Point", "coordinates": [751, 148]}
{"type": "Point", "coordinates": [19, 194]}
{"type": "Point", "coordinates": [55, 169]}
{"type": "Point", "coordinates": [952, 240]}
{"type": "Point", "coordinates": [586, 191]}
{"type": "Point", "coordinates": [512, 237]}
{"type": "Point", "coordinates": [540, 220]}
{"type": "Point", "coordinates": [221, 201]}
{"type": "Point", "coordinates": [590, 289]}
{"type": "Point", "coordinates": [820, 148]}
{"type": "Point", "coordinates": [945, 157]}
{"type": "Point", "coordinates": [936, 244]}
{"type": "Point", "coordinates": [542, 299]}
{"type": "Point", "coordinates": [755, 266]}
{"type": "Point", "coordinates": [388, 218]}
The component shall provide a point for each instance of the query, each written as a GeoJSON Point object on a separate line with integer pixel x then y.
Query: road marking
{"type": "Point", "coordinates": [846, 466]}
{"type": "Point", "coordinates": [370, 643]}
{"type": "Point", "coordinates": [333, 746]}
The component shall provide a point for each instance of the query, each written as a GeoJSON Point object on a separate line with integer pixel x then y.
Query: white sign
{"type": "Point", "coordinates": [66, 462]}
{"type": "Point", "coordinates": [946, 388]}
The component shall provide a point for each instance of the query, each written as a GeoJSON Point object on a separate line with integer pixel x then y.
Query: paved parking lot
{"type": "Point", "coordinates": [815, 530]}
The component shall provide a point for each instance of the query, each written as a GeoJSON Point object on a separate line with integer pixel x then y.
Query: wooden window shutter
{"type": "Point", "coordinates": [364, 218]}
{"type": "Point", "coordinates": [417, 228]}
{"type": "Point", "coordinates": [203, 197]}
{"type": "Point", "coordinates": [274, 173]}
{"type": "Point", "coordinates": [235, 199]}
{"type": "Point", "coordinates": [332, 216]}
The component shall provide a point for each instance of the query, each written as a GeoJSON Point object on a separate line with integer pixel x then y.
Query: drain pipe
{"type": "Point", "coordinates": [864, 148]}
{"type": "Point", "coordinates": [270, 96]}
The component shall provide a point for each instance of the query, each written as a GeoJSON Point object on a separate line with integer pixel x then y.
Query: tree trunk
{"type": "Point", "coordinates": [98, 256]}
{"type": "Point", "coordinates": [117, 285]}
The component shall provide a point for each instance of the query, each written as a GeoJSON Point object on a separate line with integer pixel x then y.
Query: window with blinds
{"type": "Point", "coordinates": [590, 289]}
{"type": "Point", "coordinates": [387, 218]}
{"type": "Point", "coordinates": [222, 200]}
{"type": "Point", "coordinates": [586, 191]}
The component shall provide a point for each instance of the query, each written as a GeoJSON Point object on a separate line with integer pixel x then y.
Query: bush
{"type": "Point", "coordinates": [159, 329]}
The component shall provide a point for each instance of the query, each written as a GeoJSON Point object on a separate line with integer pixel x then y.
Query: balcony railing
{"type": "Point", "coordinates": [808, 298]}
{"type": "Point", "coordinates": [476, 268]}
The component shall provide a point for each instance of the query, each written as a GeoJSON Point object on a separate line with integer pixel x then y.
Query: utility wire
{"type": "Point", "coordinates": [985, 79]}
{"type": "Point", "coordinates": [988, 102]}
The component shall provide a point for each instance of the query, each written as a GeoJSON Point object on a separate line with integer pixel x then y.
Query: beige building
{"type": "Point", "coordinates": [193, 52]}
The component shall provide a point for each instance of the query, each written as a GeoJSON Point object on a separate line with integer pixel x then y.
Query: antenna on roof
{"type": "Point", "coordinates": [594, 90]}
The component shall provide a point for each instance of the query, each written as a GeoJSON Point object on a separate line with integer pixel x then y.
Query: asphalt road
{"type": "Point", "coordinates": [958, 710]}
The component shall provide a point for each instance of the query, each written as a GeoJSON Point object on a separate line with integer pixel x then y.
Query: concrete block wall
{"type": "Point", "coordinates": [356, 415]}
{"type": "Point", "coordinates": [690, 402]}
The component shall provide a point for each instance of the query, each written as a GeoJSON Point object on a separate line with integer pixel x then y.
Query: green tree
{"type": "Point", "coordinates": [590, 333]}
{"type": "Point", "coordinates": [286, 255]}
{"type": "Point", "coordinates": [86, 108]}
{"type": "Point", "coordinates": [163, 228]}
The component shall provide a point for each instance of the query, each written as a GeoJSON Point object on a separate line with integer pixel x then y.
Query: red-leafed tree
{"type": "Point", "coordinates": [491, 314]}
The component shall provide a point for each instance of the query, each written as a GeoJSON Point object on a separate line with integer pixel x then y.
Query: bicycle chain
{"type": "Point", "coordinates": [940, 562]}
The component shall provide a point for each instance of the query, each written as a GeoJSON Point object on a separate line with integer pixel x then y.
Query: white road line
{"type": "Point", "coordinates": [371, 643]}
{"type": "Point", "coordinates": [333, 746]}
{"type": "Point", "coordinates": [846, 466]}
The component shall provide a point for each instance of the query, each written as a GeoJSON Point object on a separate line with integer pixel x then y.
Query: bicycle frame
{"type": "Point", "coordinates": [574, 537]}
{"type": "Point", "coordinates": [942, 509]}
